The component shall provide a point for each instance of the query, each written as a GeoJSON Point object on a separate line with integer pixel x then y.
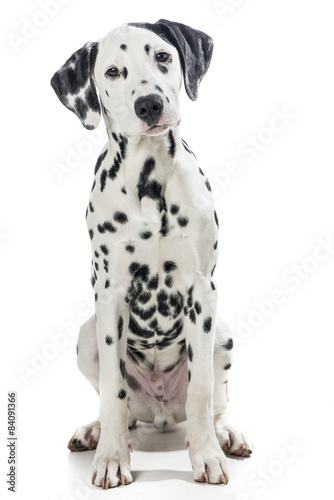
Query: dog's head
{"type": "Point", "coordinates": [134, 75]}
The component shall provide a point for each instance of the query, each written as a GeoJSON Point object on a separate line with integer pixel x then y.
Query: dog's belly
{"type": "Point", "coordinates": [155, 395]}
{"type": "Point", "coordinates": [156, 363]}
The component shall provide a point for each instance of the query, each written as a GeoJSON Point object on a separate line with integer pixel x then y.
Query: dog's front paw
{"type": "Point", "coordinates": [231, 439]}
{"type": "Point", "coordinates": [208, 462]}
{"type": "Point", "coordinates": [111, 469]}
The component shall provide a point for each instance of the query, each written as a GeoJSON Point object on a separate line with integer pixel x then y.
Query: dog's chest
{"type": "Point", "coordinates": [153, 231]}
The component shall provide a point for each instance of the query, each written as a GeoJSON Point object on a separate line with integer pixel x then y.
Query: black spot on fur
{"type": "Point", "coordinates": [192, 316]}
{"type": "Point", "coordinates": [208, 186]}
{"type": "Point", "coordinates": [169, 266]}
{"type": "Point", "coordinates": [81, 107]}
{"type": "Point", "coordinates": [100, 160]}
{"type": "Point", "coordinates": [216, 218]}
{"type": "Point", "coordinates": [159, 88]}
{"type": "Point", "coordinates": [135, 355]}
{"type": "Point", "coordinates": [190, 300]}
{"type": "Point", "coordinates": [153, 283]}
{"type": "Point", "coordinates": [109, 340]}
{"type": "Point", "coordinates": [198, 308]}
{"type": "Point", "coordinates": [122, 394]}
{"type": "Point", "coordinates": [123, 190]}
{"type": "Point", "coordinates": [130, 248]}
{"type": "Point", "coordinates": [122, 367]}
{"type": "Point", "coordinates": [146, 186]}
{"type": "Point", "coordinates": [189, 375]}
{"type": "Point", "coordinates": [164, 225]}
{"type": "Point", "coordinates": [207, 325]}
{"type": "Point", "coordinates": [213, 286]}
{"type": "Point", "coordinates": [228, 366]}
{"type": "Point", "coordinates": [107, 93]}
{"type": "Point", "coordinates": [144, 314]}
{"type": "Point", "coordinates": [174, 209]}
{"type": "Point", "coordinates": [120, 327]}
{"type": "Point", "coordinates": [186, 147]}
{"type": "Point", "coordinates": [169, 281]}
{"type": "Point", "coordinates": [91, 208]}
{"type": "Point", "coordinates": [139, 271]}
{"type": "Point", "coordinates": [172, 144]}
{"type": "Point", "coordinates": [113, 171]}
{"type": "Point", "coordinates": [163, 69]}
{"type": "Point", "coordinates": [107, 284]}
{"type": "Point", "coordinates": [182, 221]}
{"type": "Point", "coordinates": [132, 382]}
{"type": "Point", "coordinates": [190, 353]}
{"type": "Point", "coordinates": [91, 233]}
{"type": "Point", "coordinates": [136, 329]}
{"type": "Point", "coordinates": [172, 367]}
{"type": "Point", "coordinates": [123, 46]}
{"type": "Point", "coordinates": [215, 245]}
{"type": "Point", "coordinates": [147, 49]}
{"type": "Point", "coordinates": [145, 235]}
{"type": "Point", "coordinates": [106, 226]}
{"type": "Point", "coordinates": [120, 217]}
{"type": "Point", "coordinates": [228, 345]}
{"type": "Point", "coordinates": [104, 249]}
{"type": "Point", "coordinates": [144, 297]}
{"type": "Point", "coordinates": [123, 146]}
{"type": "Point", "coordinates": [143, 82]}
{"type": "Point", "coordinates": [183, 346]}
{"type": "Point", "coordinates": [103, 179]}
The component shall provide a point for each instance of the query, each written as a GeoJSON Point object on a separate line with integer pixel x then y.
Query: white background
{"type": "Point", "coordinates": [270, 56]}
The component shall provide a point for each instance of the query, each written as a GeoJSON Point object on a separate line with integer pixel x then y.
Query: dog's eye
{"type": "Point", "coordinates": [163, 57]}
{"type": "Point", "coordinates": [112, 72]}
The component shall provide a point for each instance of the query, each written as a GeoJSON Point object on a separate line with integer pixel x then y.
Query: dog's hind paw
{"type": "Point", "coordinates": [231, 439]}
{"type": "Point", "coordinates": [86, 437]}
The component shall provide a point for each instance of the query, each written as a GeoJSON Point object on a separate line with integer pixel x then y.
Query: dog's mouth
{"type": "Point", "coordinates": [154, 129]}
{"type": "Point", "coordinates": [157, 128]}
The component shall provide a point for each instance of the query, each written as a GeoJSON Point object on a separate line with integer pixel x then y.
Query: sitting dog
{"type": "Point", "coordinates": [153, 351]}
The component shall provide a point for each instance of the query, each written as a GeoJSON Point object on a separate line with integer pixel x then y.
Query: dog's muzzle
{"type": "Point", "coordinates": [149, 108]}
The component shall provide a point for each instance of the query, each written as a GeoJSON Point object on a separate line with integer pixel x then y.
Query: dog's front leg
{"type": "Point", "coordinates": [111, 465]}
{"type": "Point", "coordinates": [207, 459]}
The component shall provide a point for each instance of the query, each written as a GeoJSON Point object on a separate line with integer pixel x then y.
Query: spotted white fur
{"type": "Point", "coordinates": [153, 351]}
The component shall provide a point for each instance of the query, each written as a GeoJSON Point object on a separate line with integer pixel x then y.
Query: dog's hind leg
{"type": "Point", "coordinates": [87, 436]}
{"type": "Point", "coordinates": [88, 354]}
{"type": "Point", "coordinates": [230, 438]}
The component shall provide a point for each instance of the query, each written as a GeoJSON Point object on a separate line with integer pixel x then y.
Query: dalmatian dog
{"type": "Point", "coordinates": [154, 350]}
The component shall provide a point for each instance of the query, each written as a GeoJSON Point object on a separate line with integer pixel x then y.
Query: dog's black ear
{"type": "Point", "coordinates": [194, 48]}
{"type": "Point", "coordinates": [75, 87]}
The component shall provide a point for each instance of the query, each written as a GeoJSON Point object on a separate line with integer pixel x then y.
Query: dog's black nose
{"type": "Point", "coordinates": [149, 108]}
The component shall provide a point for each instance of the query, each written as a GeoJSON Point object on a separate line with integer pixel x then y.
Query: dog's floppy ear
{"type": "Point", "coordinates": [194, 48]}
{"type": "Point", "coordinates": [75, 87]}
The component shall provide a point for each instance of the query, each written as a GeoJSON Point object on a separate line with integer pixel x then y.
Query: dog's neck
{"type": "Point", "coordinates": [163, 147]}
